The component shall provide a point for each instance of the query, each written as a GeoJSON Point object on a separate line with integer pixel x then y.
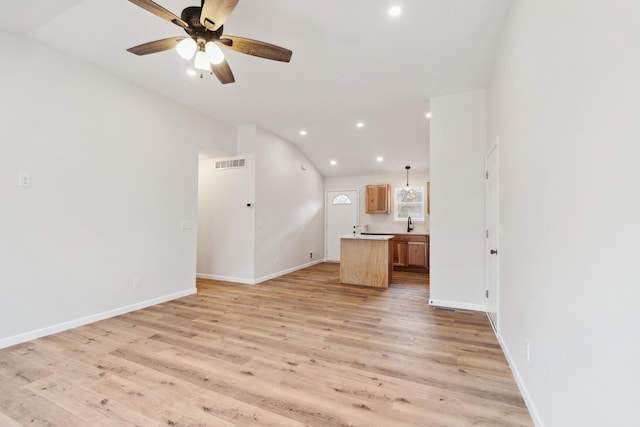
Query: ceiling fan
{"type": "Point", "coordinates": [204, 28]}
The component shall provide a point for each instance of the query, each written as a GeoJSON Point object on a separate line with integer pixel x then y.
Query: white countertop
{"type": "Point", "coordinates": [400, 233]}
{"type": "Point", "coordinates": [368, 237]}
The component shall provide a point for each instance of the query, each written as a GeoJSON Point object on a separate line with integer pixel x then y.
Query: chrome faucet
{"type": "Point", "coordinates": [409, 225]}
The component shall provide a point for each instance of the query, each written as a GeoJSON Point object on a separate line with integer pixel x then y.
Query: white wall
{"type": "Point", "coordinates": [225, 224]}
{"type": "Point", "coordinates": [226, 231]}
{"type": "Point", "coordinates": [381, 223]}
{"type": "Point", "coordinates": [113, 172]}
{"type": "Point", "coordinates": [274, 236]}
{"type": "Point", "coordinates": [289, 208]}
{"type": "Point", "coordinates": [457, 157]}
{"type": "Point", "coordinates": [564, 102]}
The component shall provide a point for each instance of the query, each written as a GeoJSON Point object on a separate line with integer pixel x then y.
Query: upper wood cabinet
{"type": "Point", "coordinates": [378, 199]}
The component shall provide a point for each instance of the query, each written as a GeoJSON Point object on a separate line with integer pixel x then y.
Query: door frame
{"type": "Point", "coordinates": [326, 213]}
{"type": "Point", "coordinates": [494, 151]}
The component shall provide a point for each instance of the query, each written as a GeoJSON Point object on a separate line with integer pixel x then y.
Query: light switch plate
{"type": "Point", "coordinates": [24, 180]}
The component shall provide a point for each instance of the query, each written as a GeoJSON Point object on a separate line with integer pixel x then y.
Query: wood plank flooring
{"type": "Point", "coordinates": [297, 350]}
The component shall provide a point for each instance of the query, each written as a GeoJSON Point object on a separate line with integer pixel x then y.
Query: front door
{"type": "Point", "coordinates": [342, 215]}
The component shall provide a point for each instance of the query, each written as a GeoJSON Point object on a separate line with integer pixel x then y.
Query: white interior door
{"type": "Point", "coordinates": [492, 254]}
{"type": "Point", "coordinates": [342, 215]}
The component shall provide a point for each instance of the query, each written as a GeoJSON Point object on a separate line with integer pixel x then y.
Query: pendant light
{"type": "Point", "coordinates": [409, 192]}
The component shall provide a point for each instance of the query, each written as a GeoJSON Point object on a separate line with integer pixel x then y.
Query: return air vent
{"type": "Point", "coordinates": [235, 163]}
{"type": "Point", "coordinates": [449, 309]}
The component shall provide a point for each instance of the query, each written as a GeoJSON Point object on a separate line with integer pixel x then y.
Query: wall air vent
{"type": "Point", "coordinates": [234, 163]}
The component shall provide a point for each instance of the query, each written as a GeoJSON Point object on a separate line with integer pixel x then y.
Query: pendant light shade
{"type": "Point", "coordinates": [202, 61]}
{"type": "Point", "coordinates": [214, 53]}
{"type": "Point", "coordinates": [410, 193]}
{"type": "Point", "coordinates": [187, 48]}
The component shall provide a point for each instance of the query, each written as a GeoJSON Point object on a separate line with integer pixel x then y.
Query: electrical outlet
{"type": "Point", "coordinates": [527, 349]}
{"type": "Point", "coordinates": [137, 283]}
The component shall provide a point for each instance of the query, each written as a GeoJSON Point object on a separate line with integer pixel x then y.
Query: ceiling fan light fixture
{"type": "Point", "coordinates": [187, 48]}
{"type": "Point", "coordinates": [214, 53]}
{"type": "Point", "coordinates": [202, 61]}
{"type": "Point", "coordinates": [204, 24]}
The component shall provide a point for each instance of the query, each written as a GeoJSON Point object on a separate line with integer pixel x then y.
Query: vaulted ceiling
{"type": "Point", "coordinates": [351, 63]}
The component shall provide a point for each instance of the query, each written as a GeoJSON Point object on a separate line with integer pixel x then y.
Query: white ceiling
{"type": "Point", "coordinates": [351, 62]}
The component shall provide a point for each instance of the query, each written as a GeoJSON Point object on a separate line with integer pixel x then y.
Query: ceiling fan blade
{"type": "Point", "coordinates": [215, 13]}
{"type": "Point", "coordinates": [160, 11]}
{"type": "Point", "coordinates": [155, 46]}
{"type": "Point", "coordinates": [223, 72]}
{"type": "Point", "coordinates": [257, 48]}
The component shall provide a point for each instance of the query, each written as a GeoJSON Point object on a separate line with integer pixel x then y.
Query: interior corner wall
{"type": "Point", "coordinates": [457, 158]}
{"type": "Point", "coordinates": [289, 208]}
{"type": "Point", "coordinates": [226, 231]}
{"type": "Point", "coordinates": [113, 172]}
{"type": "Point", "coordinates": [563, 101]}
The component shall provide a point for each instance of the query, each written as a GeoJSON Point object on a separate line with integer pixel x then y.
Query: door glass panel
{"type": "Point", "coordinates": [341, 199]}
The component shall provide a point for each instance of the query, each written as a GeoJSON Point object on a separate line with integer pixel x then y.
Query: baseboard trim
{"type": "Point", "coordinates": [456, 304]}
{"type": "Point", "coordinates": [226, 278]}
{"type": "Point", "coordinates": [516, 375]}
{"type": "Point", "coordinates": [287, 271]}
{"type": "Point", "coordinates": [245, 281]}
{"type": "Point", "coordinates": [60, 327]}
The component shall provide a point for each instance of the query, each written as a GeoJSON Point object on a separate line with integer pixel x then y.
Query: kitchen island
{"type": "Point", "coordinates": [366, 260]}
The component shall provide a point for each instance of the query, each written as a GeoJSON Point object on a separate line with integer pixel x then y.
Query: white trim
{"type": "Point", "coordinates": [259, 280]}
{"type": "Point", "coordinates": [457, 304]}
{"type": "Point", "coordinates": [493, 149]}
{"type": "Point", "coordinates": [523, 390]}
{"type": "Point", "coordinates": [49, 330]}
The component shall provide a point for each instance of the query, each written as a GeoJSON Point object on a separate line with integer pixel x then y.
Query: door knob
{"type": "Point", "coordinates": [494, 252]}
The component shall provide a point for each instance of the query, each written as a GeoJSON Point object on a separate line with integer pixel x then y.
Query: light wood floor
{"type": "Point", "coordinates": [297, 350]}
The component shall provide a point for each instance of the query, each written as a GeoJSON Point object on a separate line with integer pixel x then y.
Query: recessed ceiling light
{"type": "Point", "coordinates": [395, 10]}
{"type": "Point", "coordinates": [428, 115]}
{"type": "Point", "coordinates": [191, 72]}
{"type": "Point", "coordinates": [303, 132]}
{"type": "Point", "coordinates": [360, 124]}
{"type": "Point", "coordinates": [379, 159]}
{"type": "Point", "coordinates": [333, 162]}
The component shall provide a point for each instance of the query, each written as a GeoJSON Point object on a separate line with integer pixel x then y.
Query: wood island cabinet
{"type": "Point", "coordinates": [378, 199]}
{"type": "Point", "coordinates": [366, 260]}
{"type": "Point", "coordinates": [411, 252]}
